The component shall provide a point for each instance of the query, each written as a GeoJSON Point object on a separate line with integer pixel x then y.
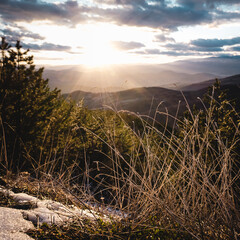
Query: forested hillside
{"type": "Point", "coordinates": [145, 101]}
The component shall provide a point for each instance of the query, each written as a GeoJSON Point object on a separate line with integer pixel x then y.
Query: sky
{"type": "Point", "coordinates": [103, 32]}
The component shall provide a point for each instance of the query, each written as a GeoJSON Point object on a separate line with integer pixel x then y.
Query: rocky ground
{"type": "Point", "coordinates": [12, 225]}
{"type": "Point", "coordinates": [23, 211]}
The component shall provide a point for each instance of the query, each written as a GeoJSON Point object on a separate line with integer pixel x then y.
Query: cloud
{"type": "Point", "coordinates": [236, 48]}
{"type": "Point", "coordinates": [163, 38]}
{"type": "Point", "coordinates": [181, 49]}
{"type": "Point", "coordinates": [154, 13]}
{"type": "Point", "coordinates": [47, 47]}
{"type": "Point", "coordinates": [127, 45]}
{"type": "Point", "coordinates": [69, 12]}
{"type": "Point", "coordinates": [161, 14]}
{"type": "Point", "coordinates": [158, 16]}
{"type": "Point", "coordinates": [21, 32]}
{"type": "Point", "coordinates": [229, 56]}
{"type": "Point", "coordinates": [152, 51]}
{"type": "Point", "coordinates": [203, 47]}
{"type": "Point", "coordinates": [166, 52]}
{"type": "Point", "coordinates": [206, 3]}
{"type": "Point", "coordinates": [215, 43]}
{"type": "Point", "coordinates": [176, 54]}
{"type": "Point", "coordinates": [206, 49]}
{"type": "Point", "coordinates": [190, 47]}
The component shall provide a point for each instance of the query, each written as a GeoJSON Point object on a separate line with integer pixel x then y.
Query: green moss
{"type": "Point", "coordinates": [102, 230]}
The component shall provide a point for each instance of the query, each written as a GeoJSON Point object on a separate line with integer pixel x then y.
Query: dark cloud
{"type": "Point", "coordinates": [128, 2]}
{"type": "Point", "coordinates": [167, 52]}
{"type": "Point", "coordinates": [69, 12]}
{"type": "Point", "coordinates": [163, 38]}
{"type": "Point", "coordinates": [229, 56]}
{"type": "Point", "coordinates": [152, 51]}
{"type": "Point", "coordinates": [176, 54]}
{"type": "Point", "coordinates": [211, 4]}
{"type": "Point", "coordinates": [21, 32]}
{"type": "Point", "coordinates": [127, 45]}
{"type": "Point", "coordinates": [154, 13]}
{"type": "Point", "coordinates": [190, 47]}
{"type": "Point", "coordinates": [181, 49]}
{"type": "Point", "coordinates": [196, 47]}
{"type": "Point", "coordinates": [215, 43]}
{"type": "Point", "coordinates": [47, 47]}
{"type": "Point", "coordinates": [158, 16]}
{"type": "Point", "coordinates": [236, 48]}
{"type": "Point", "coordinates": [202, 49]}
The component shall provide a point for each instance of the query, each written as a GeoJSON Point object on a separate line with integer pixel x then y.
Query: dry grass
{"type": "Point", "coordinates": [179, 183]}
{"type": "Point", "coordinates": [185, 183]}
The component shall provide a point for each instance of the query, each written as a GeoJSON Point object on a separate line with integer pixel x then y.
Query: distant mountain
{"type": "Point", "coordinates": [232, 80]}
{"type": "Point", "coordinates": [145, 101]}
{"type": "Point", "coordinates": [120, 77]}
{"type": "Point", "coordinates": [221, 66]}
{"type": "Point", "coordinates": [139, 100]}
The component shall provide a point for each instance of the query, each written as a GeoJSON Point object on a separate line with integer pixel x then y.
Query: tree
{"type": "Point", "coordinates": [26, 102]}
{"type": "Point", "coordinates": [223, 113]}
{"type": "Point", "coordinates": [218, 114]}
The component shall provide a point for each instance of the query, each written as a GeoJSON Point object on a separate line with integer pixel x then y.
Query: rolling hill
{"type": "Point", "coordinates": [232, 80]}
{"type": "Point", "coordinates": [120, 77]}
{"type": "Point", "coordinates": [139, 100]}
{"type": "Point", "coordinates": [146, 100]}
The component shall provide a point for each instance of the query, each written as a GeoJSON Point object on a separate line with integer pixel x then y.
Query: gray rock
{"type": "Point", "coordinates": [13, 225]}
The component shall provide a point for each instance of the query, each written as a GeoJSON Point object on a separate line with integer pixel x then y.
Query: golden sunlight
{"type": "Point", "coordinates": [98, 53]}
{"type": "Point", "coordinates": [92, 44]}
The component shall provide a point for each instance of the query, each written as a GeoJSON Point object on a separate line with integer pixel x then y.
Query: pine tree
{"type": "Point", "coordinates": [218, 113]}
{"type": "Point", "coordinates": [223, 112]}
{"type": "Point", "coordinates": [3, 78]}
{"type": "Point", "coordinates": [26, 104]}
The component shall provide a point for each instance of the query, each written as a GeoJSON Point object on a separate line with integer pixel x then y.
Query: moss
{"type": "Point", "coordinates": [100, 230]}
{"type": "Point", "coordinates": [6, 201]}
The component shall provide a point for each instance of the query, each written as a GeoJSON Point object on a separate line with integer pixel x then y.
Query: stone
{"type": "Point", "coordinates": [12, 225]}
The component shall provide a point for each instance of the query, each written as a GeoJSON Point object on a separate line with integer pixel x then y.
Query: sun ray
{"type": "Point", "coordinates": [99, 53]}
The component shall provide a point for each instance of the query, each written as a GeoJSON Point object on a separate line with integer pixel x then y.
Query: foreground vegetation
{"type": "Point", "coordinates": [169, 182]}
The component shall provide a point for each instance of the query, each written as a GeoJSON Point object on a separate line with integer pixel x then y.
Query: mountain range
{"type": "Point", "coordinates": [176, 75]}
{"type": "Point", "coordinates": [140, 88]}
{"type": "Point", "coordinates": [121, 77]}
{"type": "Point", "coordinates": [231, 80]}
{"type": "Point", "coordinates": [147, 100]}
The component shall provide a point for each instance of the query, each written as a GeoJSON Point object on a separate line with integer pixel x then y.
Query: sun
{"type": "Point", "coordinates": [97, 45]}
{"type": "Point", "coordinates": [92, 45]}
{"type": "Point", "coordinates": [99, 53]}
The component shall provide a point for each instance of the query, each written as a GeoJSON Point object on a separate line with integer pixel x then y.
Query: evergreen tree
{"type": "Point", "coordinates": [3, 78]}
{"type": "Point", "coordinates": [26, 102]}
{"type": "Point", "coordinates": [218, 114]}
